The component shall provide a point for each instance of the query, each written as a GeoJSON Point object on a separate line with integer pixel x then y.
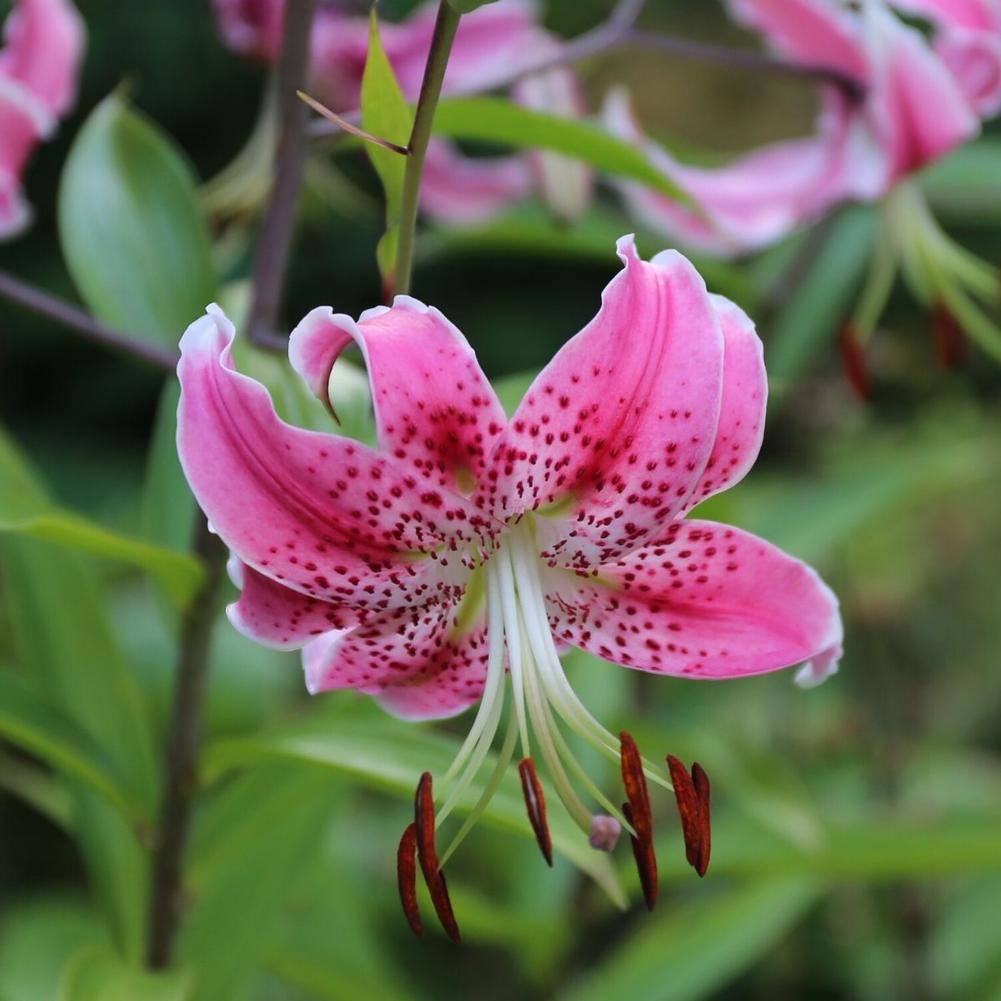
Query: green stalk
{"type": "Point", "coordinates": [434, 73]}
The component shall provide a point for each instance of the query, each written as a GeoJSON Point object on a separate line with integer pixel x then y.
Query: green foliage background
{"type": "Point", "coordinates": [857, 845]}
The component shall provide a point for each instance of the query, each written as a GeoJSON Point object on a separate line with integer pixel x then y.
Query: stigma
{"type": "Point", "coordinates": [527, 705]}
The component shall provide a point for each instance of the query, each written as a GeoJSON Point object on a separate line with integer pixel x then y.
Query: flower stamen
{"type": "Point", "coordinates": [406, 874]}
{"type": "Point", "coordinates": [535, 804]}
{"type": "Point", "coordinates": [424, 830]}
{"type": "Point", "coordinates": [637, 811]}
{"type": "Point", "coordinates": [692, 794]}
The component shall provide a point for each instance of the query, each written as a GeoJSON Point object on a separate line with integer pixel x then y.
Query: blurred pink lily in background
{"type": "Point", "coordinates": [449, 565]}
{"type": "Point", "coordinates": [491, 43]}
{"type": "Point", "coordinates": [39, 65]}
{"type": "Point", "coordinates": [917, 101]}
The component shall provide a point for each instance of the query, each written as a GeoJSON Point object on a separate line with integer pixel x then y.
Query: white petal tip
{"type": "Point", "coordinates": [815, 672]}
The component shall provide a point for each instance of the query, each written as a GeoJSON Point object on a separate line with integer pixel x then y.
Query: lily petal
{"type": "Point", "coordinates": [319, 513]}
{"type": "Point", "coordinates": [437, 414]}
{"type": "Point", "coordinates": [745, 396]}
{"type": "Point", "coordinates": [278, 617]}
{"type": "Point", "coordinates": [615, 433]}
{"type": "Point", "coordinates": [426, 663]}
{"type": "Point", "coordinates": [708, 602]}
{"type": "Point", "coordinates": [463, 190]}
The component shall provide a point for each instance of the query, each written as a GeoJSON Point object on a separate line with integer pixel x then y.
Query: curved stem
{"type": "Point", "coordinates": [434, 74]}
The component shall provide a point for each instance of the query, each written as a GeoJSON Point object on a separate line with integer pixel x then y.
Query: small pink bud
{"type": "Point", "coordinates": [605, 831]}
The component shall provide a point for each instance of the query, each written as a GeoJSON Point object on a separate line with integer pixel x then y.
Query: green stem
{"type": "Point", "coordinates": [434, 73]}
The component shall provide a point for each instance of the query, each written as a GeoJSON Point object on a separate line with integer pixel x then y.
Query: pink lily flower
{"type": "Point", "coordinates": [968, 40]}
{"type": "Point", "coordinates": [43, 43]}
{"type": "Point", "coordinates": [450, 564]}
{"type": "Point", "coordinates": [490, 42]}
{"type": "Point", "coordinates": [913, 112]}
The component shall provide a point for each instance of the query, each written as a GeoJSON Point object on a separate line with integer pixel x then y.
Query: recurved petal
{"type": "Point", "coordinates": [745, 395]}
{"type": "Point", "coordinates": [423, 663]}
{"type": "Point", "coordinates": [278, 617]}
{"type": "Point", "coordinates": [614, 434]}
{"type": "Point", "coordinates": [437, 414]}
{"type": "Point", "coordinates": [44, 42]}
{"type": "Point", "coordinates": [318, 513]}
{"type": "Point", "coordinates": [709, 602]}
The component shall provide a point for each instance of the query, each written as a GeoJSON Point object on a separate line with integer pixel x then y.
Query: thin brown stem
{"type": "Point", "coordinates": [67, 315]}
{"type": "Point", "coordinates": [181, 759]}
{"type": "Point", "coordinates": [274, 244]}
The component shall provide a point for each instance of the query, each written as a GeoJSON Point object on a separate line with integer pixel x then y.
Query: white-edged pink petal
{"type": "Point", "coordinates": [278, 617]}
{"type": "Point", "coordinates": [614, 434]}
{"type": "Point", "coordinates": [421, 663]}
{"type": "Point", "coordinates": [321, 514]}
{"type": "Point", "coordinates": [251, 27]}
{"type": "Point", "coordinates": [745, 397]}
{"type": "Point", "coordinates": [437, 415]}
{"type": "Point", "coordinates": [708, 602]}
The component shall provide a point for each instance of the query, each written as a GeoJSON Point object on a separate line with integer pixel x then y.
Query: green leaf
{"type": "Point", "coordinates": [385, 113]}
{"type": "Point", "coordinates": [697, 947]}
{"type": "Point", "coordinates": [38, 935]}
{"type": "Point", "coordinates": [96, 973]}
{"type": "Point", "coordinates": [966, 185]}
{"type": "Point", "coordinates": [823, 296]}
{"type": "Point", "coordinates": [465, 6]}
{"type": "Point", "coordinates": [250, 849]}
{"type": "Point", "coordinates": [25, 509]}
{"type": "Point", "coordinates": [391, 757]}
{"type": "Point", "coordinates": [495, 120]}
{"type": "Point", "coordinates": [131, 227]}
{"type": "Point", "coordinates": [33, 725]}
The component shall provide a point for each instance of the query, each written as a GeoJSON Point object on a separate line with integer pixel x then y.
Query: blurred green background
{"type": "Point", "coordinates": [857, 840]}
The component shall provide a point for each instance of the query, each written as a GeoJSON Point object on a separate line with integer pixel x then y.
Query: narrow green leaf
{"type": "Point", "coordinates": [385, 113]}
{"type": "Point", "coordinates": [29, 512]}
{"type": "Point", "coordinates": [131, 227]}
{"type": "Point", "coordinates": [96, 973]}
{"type": "Point", "coordinates": [465, 6]}
{"type": "Point", "coordinates": [33, 725]}
{"type": "Point", "coordinates": [493, 119]}
{"type": "Point", "coordinates": [698, 946]}
{"type": "Point", "coordinates": [822, 299]}
{"type": "Point", "coordinates": [390, 757]}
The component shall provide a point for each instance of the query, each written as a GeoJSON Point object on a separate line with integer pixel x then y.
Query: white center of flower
{"type": "Point", "coordinates": [521, 646]}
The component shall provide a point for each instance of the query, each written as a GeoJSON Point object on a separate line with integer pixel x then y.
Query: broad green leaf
{"type": "Point", "coordinates": [39, 788]}
{"type": "Point", "coordinates": [695, 948]}
{"type": "Point", "coordinates": [495, 120]}
{"type": "Point", "coordinates": [385, 113]}
{"type": "Point", "coordinates": [131, 227]}
{"type": "Point", "coordinates": [252, 847]}
{"type": "Point", "coordinates": [97, 973]}
{"type": "Point", "coordinates": [391, 757]}
{"type": "Point", "coordinates": [38, 936]}
{"type": "Point", "coordinates": [822, 298]}
{"type": "Point", "coordinates": [28, 721]}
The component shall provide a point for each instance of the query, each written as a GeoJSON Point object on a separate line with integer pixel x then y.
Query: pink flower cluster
{"type": "Point", "coordinates": [39, 62]}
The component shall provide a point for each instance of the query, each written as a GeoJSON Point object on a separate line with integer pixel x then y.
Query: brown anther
{"type": "Point", "coordinates": [427, 853]}
{"type": "Point", "coordinates": [646, 861]}
{"type": "Point", "coordinates": [406, 875]}
{"type": "Point", "coordinates": [853, 360]}
{"type": "Point", "coordinates": [635, 784]}
{"type": "Point", "coordinates": [950, 341]}
{"type": "Point", "coordinates": [692, 794]}
{"type": "Point", "coordinates": [535, 804]}
{"type": "Point", "coordinates": [637, 811]}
